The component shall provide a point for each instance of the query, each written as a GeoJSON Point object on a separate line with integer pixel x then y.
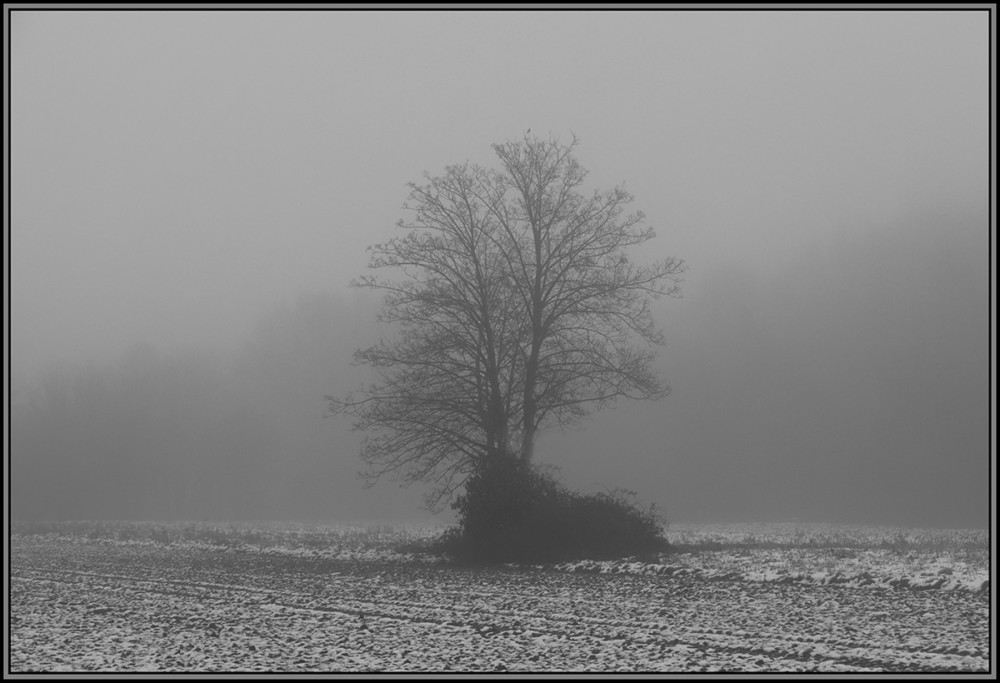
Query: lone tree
{"type": "Point", "coordinates": [517, 308]}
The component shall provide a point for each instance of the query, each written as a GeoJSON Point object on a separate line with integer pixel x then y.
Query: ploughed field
{"type": "Point", "coordinates": [294, 598]}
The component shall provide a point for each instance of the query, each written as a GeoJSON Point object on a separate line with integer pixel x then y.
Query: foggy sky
{"type": "Point", "coordinates": [179, 177]}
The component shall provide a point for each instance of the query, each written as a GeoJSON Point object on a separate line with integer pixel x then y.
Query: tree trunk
{"type": "Point", "coordinates": [530, 406]}
{"type": "Point", "coordinates": [528, 446]}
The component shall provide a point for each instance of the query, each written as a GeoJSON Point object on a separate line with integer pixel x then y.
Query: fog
{"type": "Point", "coordinates": [192, 192]}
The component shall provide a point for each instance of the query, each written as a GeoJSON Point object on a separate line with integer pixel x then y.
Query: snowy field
{"type": "Point", "coordinates": [124, 597]}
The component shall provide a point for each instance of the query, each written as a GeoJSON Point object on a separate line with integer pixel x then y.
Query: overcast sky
{"type": "Point", "coordinates": [177, 175]}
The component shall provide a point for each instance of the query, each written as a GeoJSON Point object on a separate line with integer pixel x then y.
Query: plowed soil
{"type": "Point", "coordinates": [98, 605]}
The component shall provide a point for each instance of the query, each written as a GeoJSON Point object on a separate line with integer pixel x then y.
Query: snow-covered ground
{"type": "Point", "coordinates": [308, 598]}
{"type": "Point", "coordinates": [917, 559]}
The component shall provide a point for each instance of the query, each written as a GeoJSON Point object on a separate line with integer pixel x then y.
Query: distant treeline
{"type": "Point", "coordinates": [195, 434]}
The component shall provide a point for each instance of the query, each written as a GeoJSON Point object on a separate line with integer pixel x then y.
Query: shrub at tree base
{"type": "Point", "coordinates": [512, 512]}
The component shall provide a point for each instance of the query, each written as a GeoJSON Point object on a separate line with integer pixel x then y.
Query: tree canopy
{"type": "Point", "coordinates": [517, 307]}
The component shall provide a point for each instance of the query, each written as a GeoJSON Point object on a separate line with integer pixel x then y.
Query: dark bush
{"type": "Point", "coordinates": [511, 512]}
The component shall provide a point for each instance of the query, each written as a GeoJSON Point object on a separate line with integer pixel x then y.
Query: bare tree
{"type": "Point", "coordinates": [518, 308]}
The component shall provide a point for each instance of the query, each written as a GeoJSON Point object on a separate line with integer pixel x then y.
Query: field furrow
{"type": "Point", "coordinates": [122, 607]}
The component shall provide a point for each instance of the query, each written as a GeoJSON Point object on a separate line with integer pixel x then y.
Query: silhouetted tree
{"type": "Point", "coordinates": [517, 307]}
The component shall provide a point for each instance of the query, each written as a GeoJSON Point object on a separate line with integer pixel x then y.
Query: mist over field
{"type": "Point", "coordinates": [192, 193]}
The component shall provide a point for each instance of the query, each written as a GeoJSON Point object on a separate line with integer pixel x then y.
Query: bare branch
{"type": "Point", "coordinates": [518, 308]}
